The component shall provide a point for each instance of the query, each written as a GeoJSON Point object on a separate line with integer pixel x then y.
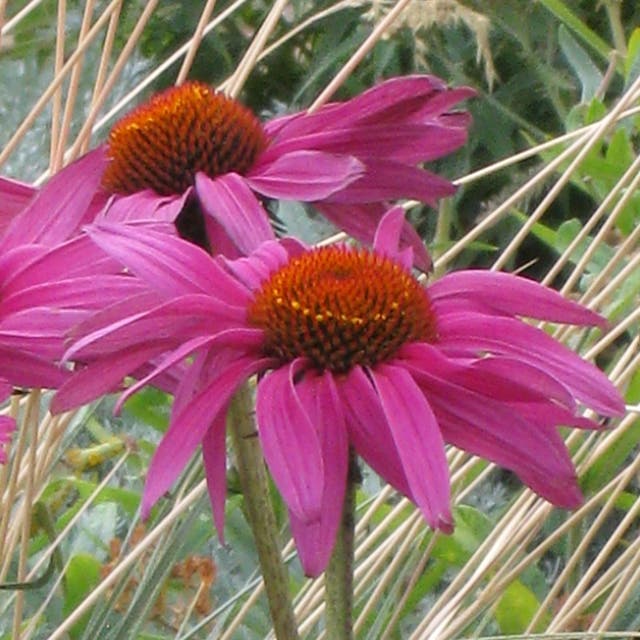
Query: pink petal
{"type": "Point", "coordinates": [368, 429]}
{"type": "Point", "coordinates": [145, 205]}
{"type": "Point", "coordinates": [291, 443]}
{"type": "Point", "coordinates": [304, 175]}
{"type": "Point", "coordinates": [243, 340]}
{"type": "Point", "coordinates": [103, 376]}
{"type": "Point", "coordinates": [419, 442]}
{"type": "Point", "coordinates": [232, 204]}
{"type": "Point", "coordinates": [170, 265]}
{"type": "Point", "coordinates": [23, 369]}
{"type": "Point", "coordinates": [80, 293]}
{"type": "Point", "coordinates": [407, 143]}
{"type": "Point", "coordinates": [390, 180]}
{"type": "Point", "coordinates": [362, 222]}
{"type": "Point", "coordinates": [61, 206]}
{"type": "Point", "coordinates": [188, 429]}
{"type": "Point", "coordinates": [170, 323]}
{"type": "Point", "coordinates": [398, 100]}
{"type": "Point", "coordinates": [14, 197]}
{"type": "Point", "coordinates": [472, 333]}
{"type": "Point", "coordinates": [387, 238]}
{"type": "Point", "coordinates": [214, 455]}
{"type": "Point", "coordinates": [499, 377]}
{"type": "Point", "coordinates": [256, 268]}
{"type": "Point", "coordinates": [504, 434]}
{"type": "Point", "coordinates": [514, 295]}
{"type": "Point", "coordinates": [315, 540]}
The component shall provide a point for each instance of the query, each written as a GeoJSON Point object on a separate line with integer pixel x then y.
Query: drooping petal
{"type": "Point", "coordinates": [385, 179]}
{"type": "Point", "coordinates": [387, 238]}
{"type": "Point", "coordinates": [61, 206]}
{"type": "Point", "coordinates": [188, 428]}
{"type": "Point", "coordinates": [231, 203]}
{"type": "Point", "coordinates": [14, 197]}
{"type": "Point", "coordinates": [415, 98]}
{"type": "Point", "coordinates": [102, 377]}
{"type": "Point", "coordinates": [290, 442]}
{"type": "Point", "coordinates": [499, 432]}
{"type": "Point", "coordinates": [368, 429]}
{"type": "Point", "coordinates": [144, 206]}
{"type": "Point", "coordinates": [362, 222]}
{"type": "Point", "coordinates": [472, 333]}
{"type": "Point", "coordinates": [420, 445]}
{"type": "Point", "coordinates": [407, 143]}
{"type": "Point", "coordinates": [514, 295]}
{"type": "Point", "coordinates": [256, 268]}
{"type": "Point", "coordinates": [214, 455]}
{"type": "Point", "coordinates": [304, 175]}
{"type": "Point", "coordinates": [315, 540]}
{"type": "Point", "coordinates": [24, 369]}
{"type": "Point", "coordinates": [499, 377]}
{"type": "Point", "coordinates": [170, 265]}
{"type": "Point", "coordinates": [243, 340]}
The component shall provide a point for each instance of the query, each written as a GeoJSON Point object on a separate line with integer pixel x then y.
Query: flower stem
{"type": "Point", "coordinates": [260, 515]}
{"type": "Point", "coordinates": [338, 577]}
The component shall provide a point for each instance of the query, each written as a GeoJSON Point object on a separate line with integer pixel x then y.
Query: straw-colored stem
{"type": "Point", "coordinates": [260, 515]}
{"type": "Point", "coordinates": [338, 579]}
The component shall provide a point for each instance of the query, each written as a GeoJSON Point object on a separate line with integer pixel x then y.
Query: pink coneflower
{"type": "Point", "coordinates": [196, 157]}
{"type": "Point", "coordinates": [351, 350]}
{"type": "Point", "coordinates": [51, 277]}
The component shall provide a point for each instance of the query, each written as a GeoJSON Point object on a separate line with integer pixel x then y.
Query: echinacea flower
{"type": "Point", "coordinates": [193, 156]}
{"type": "Point", "coordinates": [51, 277]}
{"type": "Point", "coordinates": [351, 350]}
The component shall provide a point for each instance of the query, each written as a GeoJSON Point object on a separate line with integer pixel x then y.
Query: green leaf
{"type": "Point", "coordinates": [587, 72]}
{"type": "Point", "coordinates": [81, 577]}
{"type": "Point", "coordinates": [607, 466]}
{"type": "Point", "coordinates": [571, 21]}
{"type": "Point", "coordinates": [516, 609]}
{"type": "Point", "coordinates": [472, 528]}
{"type": "Point", "coordinates": [632, 61]}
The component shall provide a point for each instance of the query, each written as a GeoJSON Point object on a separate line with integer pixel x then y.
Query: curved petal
{"type": "Point", "coordinates": [170, 265]}
{"type": "Point", "coordinates": [315, 540]}
{"type": "Point", "coordinates": [304, 175]}
{"type": "Point", "coordinates": [214, 455]}
{"type": "Point", "coordinates": [510, 435]}
{"type": "Point", "coordinates": [419, 442]}
{"type": "Point", "coordinates": [103, 376]}
{"type": "Point", "coordinates": [514, 295]}
{"type": "Point", "coordinates": [385, 179]}
{"type": "Point", "coordinates": [188, 429]}
{"type": "Point", "coordinates": [408, 143]}
{"type": "Point", "coordinates": [231, 203]}
{"type": "Point", "coordinates": [362, 222]}
{"type": "Point", "coordinates": [473, 333]}
{"type": "Point", "coordinates": [368, 429]}
{"type": "Point", "coordinates": [290, 442]}
{"type": "Point", "coordinates": [14, 197]}
{"type": "Point", "coordinates": [24, 369]}
{"type": "Point", "coordinates": [60, 208]}
{"type": "Point", "coordinates": [143, 206]}
{"type": "Point", "coordinates": [256, 268]}
{"type": "Point", "coordinates": [387, 238]}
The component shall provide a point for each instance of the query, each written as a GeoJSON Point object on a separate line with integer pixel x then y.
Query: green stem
{"type": "Point", "coordinates": [442, 236]}
{"type": "Point", "coordinates": [260, 515]}
{"type": "Point", "coordinates": [615, 21]}
{"type": "Point", "coordinates": [338, 577]}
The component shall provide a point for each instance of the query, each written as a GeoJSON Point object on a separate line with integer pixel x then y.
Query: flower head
{"type": "Point", "coordinates": [351, 351]}
{"type": "Point", "coordinates": [193, 156]}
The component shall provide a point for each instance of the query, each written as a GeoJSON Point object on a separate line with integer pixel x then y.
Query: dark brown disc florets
{"type": "Point", "coordinates": [341, 308]}
{"type": "Point", "coordinates": [163, 143]}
